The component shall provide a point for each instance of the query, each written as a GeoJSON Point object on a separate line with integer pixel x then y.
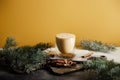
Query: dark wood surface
{"type": "Point", "coordinates": [7, 74]}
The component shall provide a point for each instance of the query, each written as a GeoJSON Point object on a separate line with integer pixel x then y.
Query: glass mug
{"type": "Point", "coordinates": [65, 42]}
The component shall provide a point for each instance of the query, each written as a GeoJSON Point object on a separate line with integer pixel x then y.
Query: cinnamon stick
{"type": "Point", "coordinates": [87, 55]}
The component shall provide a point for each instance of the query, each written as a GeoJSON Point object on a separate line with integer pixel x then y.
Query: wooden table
{"type": "Point", "coordinates": [6, 74]}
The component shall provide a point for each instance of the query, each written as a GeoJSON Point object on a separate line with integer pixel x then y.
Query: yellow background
{"type": "Point", "coordinates": [33, 21]}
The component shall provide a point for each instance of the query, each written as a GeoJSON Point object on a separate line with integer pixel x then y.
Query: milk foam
{"type": "Point", "coordinates": [65, 35]}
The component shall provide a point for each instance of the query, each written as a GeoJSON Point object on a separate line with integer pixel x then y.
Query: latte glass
{"type": "Point", "coordinates": [65, 42]}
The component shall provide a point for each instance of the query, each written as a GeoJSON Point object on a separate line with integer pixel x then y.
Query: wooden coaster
{"type": "Point", "coordinates": [63, 70]}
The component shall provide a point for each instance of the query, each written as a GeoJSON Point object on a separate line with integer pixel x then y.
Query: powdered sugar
{"type": "Point", "coordinates": [113, 55]}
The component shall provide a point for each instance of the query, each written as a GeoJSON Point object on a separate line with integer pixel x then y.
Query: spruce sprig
{"type": "Point", "coordinates": [106, 70]}
{"type": "Point", "coordinates": [97, 46]}
{"type": "Point", "coordinates": [10, 42]}
{"type": "Point", "coordinates": [25, 59]}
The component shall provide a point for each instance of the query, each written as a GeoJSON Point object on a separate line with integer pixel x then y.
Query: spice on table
{"type": "Point", "coordinates": [87, 55]}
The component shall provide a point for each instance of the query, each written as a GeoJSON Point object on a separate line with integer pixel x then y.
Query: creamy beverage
{"type": "Point", "coordinates": [65, 42]}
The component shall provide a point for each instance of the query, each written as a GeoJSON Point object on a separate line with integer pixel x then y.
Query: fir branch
{"type": "Point", "coordinates": [26, 58]}
{"type": "Point", "coordinates": [106, 70]}
{"type": "Point", "coordinates": [42, 46]}
{"type": "Point", "coordinates": [97, 46]}
{"type": "Point", "coordinates": [10, 42]}
{"type": "Point", "coordinates": [29, 62]}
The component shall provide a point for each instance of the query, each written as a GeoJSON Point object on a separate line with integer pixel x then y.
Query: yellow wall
{"type": "Point", "coordinates": [33, 21]}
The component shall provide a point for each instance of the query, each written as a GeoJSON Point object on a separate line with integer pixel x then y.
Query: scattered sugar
{"type": "Point", "coordinates": [113, 55]}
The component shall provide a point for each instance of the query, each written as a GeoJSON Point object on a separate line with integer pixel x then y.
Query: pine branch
{"type": "Point", "coordinates": [97, 46]}
{"type": "Point", "coordinates": [42, 46]}
{"type": "Point", "coordinates": [26, 58]}
{"type": "Point", "coordinates": [10, 42]}
{"type": "Point", "coordinates": [106, 70]}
